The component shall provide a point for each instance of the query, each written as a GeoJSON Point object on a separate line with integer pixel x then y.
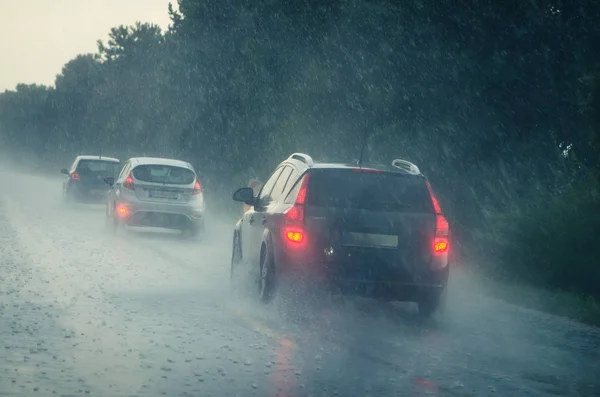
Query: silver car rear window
{"type": "Point", "coordinates": [164, 174]}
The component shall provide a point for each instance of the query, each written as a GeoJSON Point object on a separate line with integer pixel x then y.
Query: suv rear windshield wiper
{"type": "Point", "coordinates": [385, 205]}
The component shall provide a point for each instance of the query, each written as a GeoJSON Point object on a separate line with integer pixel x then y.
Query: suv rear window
{"type": "Point", "coordinates": [164, 174]}
{"type": "Point", "coordinates": [373, 191]}
{"type": "Point", "coordinates": [108, 168]}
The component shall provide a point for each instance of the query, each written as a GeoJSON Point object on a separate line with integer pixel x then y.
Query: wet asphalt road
{"type": "Point", "coordinates": [145, 313]}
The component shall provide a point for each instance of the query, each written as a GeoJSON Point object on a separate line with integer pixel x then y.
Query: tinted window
{"type": "Point", "coordinates": [372, 191]}
{"type": "Point", "coordinates": [108, 168]}
{"type": "Point", "coordinates": [266, 190]}
{"type": "Point", "coordinates": [164, 174]}
{"type": "Point", "coordinates": [293, 184]}
{"type": "Point", "coordinates": [281, 182]}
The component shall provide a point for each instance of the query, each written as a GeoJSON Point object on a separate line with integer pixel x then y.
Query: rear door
{"type": "Point", "coordinates": [379, 224]}
{"type": "Point", "coordinates": [163, 183]}
{"type": "Point", "coordinates": [255, 219]}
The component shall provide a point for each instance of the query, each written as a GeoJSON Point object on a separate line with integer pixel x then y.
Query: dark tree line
{"type": "Point", "coordinates": [497, 101]}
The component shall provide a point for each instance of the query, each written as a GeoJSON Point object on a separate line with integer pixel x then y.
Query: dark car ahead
{"type": "Point", "coordinates": [84, 181]}
{"type": "Point", "coordinates": [376, 232]}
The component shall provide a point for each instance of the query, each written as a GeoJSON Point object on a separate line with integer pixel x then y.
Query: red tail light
{"type": "Point", "coordinates": [122, 211]}
{"type": "Point", "coordinates": [434, 201]}
{"type": "Point", "coordinates": [128, 182]}
{"type": "Point", "coordinates": [75, 176]}
{"type": "Point", "coordinates": [296, 237]}
{"type": "Point", "coordinates": [442, 229]}
{"type": "Point", "coordinates": [197, 188]}
{"type": "Point", "coordinates": [301, 198]}
{"type": "Point", "coordinates": [441, 243]}
{"type": "Point", "coordinates": [294, 216]}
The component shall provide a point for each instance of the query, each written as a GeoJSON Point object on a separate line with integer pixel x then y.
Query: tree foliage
{"type": "Point", "coordinates": [484, 95]}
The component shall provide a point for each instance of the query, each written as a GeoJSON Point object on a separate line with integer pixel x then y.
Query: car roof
{"type": "Point", "coordinates": [103, 158]}
{"type": "Point", "coordinates": [384, 168]}
{"type": "Point", "coordinates": [161, 161]}
{"type": "Point", "coordinates": [336, 166]}
{"type": "Point", "coordinates": [397, 166]}
{"type": "Point", "coordinates": [342, 166]}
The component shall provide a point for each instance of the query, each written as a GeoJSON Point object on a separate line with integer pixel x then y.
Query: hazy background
{"type": "Point", "coordinates": [40, 36]}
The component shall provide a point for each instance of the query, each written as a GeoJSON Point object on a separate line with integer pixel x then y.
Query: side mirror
{"type": "Point", "coordinates": [110, 180]}
{"type": "Point", "coordinates": [64, 171]}
{"type": "Point", "coordinates": [245, 195]}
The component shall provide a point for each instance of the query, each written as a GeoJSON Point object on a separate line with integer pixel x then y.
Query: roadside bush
{"type": "Point", "coordinates": [550, 241]}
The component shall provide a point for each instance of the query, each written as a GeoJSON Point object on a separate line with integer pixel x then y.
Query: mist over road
{"type": "Point", "coordinates": [145, 313]}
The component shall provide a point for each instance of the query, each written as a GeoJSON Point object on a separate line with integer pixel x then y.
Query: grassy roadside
{"type": "Point", "coordinates": [585, 309]}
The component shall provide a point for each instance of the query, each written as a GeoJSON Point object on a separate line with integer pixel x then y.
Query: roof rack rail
{"type": "Point", "coordinates": [305, 158]}
{"type": "Point", "coordinates": [406, 166]}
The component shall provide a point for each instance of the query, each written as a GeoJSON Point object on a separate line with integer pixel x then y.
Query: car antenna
{"type": "Point", "coordinates": [362, 148]}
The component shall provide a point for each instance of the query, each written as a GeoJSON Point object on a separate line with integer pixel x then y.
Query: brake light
{"type": "Point", "coordinates": [75, 176]}
{"type": "Point", "coordinates": [295, 236]}
{"type": "Point", "coordinates": [442, 229]}
{"type": "Point", "coordinates": [440, 246]}
{"type": "Point", "coordinates": [301, 198]}
{"type": "Point", "coordinates": [122, 211]}
{"type": "Point", "coordinates": [441, 243]}
{"type": "Point", "coordinates": [434, 201]}
{"type": "Point", "coordinates": [128, 182]}
{"type": "Point", "coordinates": [294, 216]}
{"type": "Point", "coordinates": [441, 226]}
{"type": "Point", "coordinates": [197, 188]}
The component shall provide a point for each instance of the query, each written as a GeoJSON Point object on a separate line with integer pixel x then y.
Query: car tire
{"type": "Point", "coordinates": [236, 280]}
{"type": "Point", "coordinates": [267, 276]}
{"type": "Point", "coordinates": [192, 232]}
{"type": "Point", "coordinates": [67, 196]}
{"type": "Point", "coordinates": [236, 256]}
{"type": "Point", "coordinates": [197, 230]}
{"type": "Point", "coordinates": [432, 301]}
{"type": "Point", "coordinates": [112, 223]}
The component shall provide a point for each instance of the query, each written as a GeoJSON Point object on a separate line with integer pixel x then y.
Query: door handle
{"type": "Point", "coordinates": [251, 220]}
{"type": "Point", "coordinates": [264, 220]}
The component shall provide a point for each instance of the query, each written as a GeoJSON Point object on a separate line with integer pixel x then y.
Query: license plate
{"type": "Point", "coordinates": [371, 240]}
{"type": "Point", "coordinates": [163, 194]}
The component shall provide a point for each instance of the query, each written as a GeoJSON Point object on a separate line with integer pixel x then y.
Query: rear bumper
{"type": "Point", "coordinates": [80, 191]}
{"type": "Point", "coordinates": [389, 282]}
{"type": "Point", "coordinates": [167, 215]}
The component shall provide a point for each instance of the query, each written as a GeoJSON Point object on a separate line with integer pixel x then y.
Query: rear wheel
{"type": "Point", "coordinates": [432, 301]}
{"type": "Point", "coordinates": [236, 279]}
{"type": "Point", "coordinates": [267, 279]}
{"type": "Point", "coordinates": [236, 256]}
{"type": "Point", "coordinates": [198, 229]}
{"type": "Point", "coordinates": [67, 196]}
{"type": "Point", "coordinates": [112, 222]}
{"type": "Point", "coordinates": [192, 230]}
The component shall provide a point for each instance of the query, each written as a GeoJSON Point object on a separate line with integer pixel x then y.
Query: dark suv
{"type": "Point", "coordinates": [376, 231]}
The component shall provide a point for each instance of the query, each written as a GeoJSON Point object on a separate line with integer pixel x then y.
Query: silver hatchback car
{"type": "Point", "coordinates": [156, 192]}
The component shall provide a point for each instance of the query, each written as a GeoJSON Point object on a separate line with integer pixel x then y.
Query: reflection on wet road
{"type": "Point", "coordinates": [145, 313]}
